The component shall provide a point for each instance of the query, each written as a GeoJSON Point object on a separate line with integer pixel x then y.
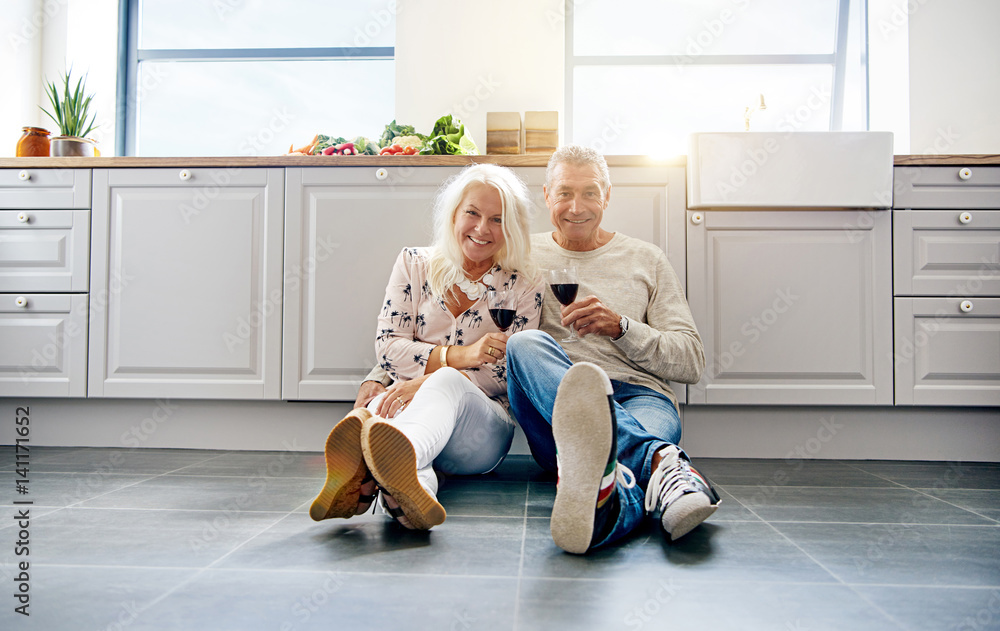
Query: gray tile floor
{"type": "Point", "coordinates": [181, 539]}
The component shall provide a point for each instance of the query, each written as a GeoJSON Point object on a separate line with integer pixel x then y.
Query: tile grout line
{"type": "Point", "coordinates": [200, 571]}
{"type": "Point", "coordinates": [520, 562]}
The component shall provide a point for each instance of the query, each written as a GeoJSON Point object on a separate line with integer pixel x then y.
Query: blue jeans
{"type": "Point", "coordinates": [647, 420]}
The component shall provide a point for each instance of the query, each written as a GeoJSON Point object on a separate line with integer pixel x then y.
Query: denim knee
{"type": "Point", "coordinates": [523, 341]}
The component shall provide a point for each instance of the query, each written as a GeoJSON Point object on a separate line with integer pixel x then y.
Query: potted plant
{"type": "Point", "coordinates": [71, 109]}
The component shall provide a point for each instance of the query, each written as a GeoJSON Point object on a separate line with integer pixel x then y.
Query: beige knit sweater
{"type": "Point", "coordinates": [633, 278]}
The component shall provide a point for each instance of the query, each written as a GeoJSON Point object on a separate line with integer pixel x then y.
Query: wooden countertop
{"type": "Point", "coordinates": [315, 161]}
{"type": "Point", "coordinates": [368, 161]}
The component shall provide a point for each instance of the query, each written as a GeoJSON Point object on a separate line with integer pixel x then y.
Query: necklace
{"type": "Point", "coordinates": [474, 288]}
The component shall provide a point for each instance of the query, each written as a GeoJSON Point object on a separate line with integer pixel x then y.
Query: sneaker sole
{"type": "Point", "coordinates": [580, 423]}
{"type": "Point", "coordinates": [345, 468]}
{"type": "Point", "coordinates": [393, 463]}
{"type": "Point", "coordinates": [686, 513]}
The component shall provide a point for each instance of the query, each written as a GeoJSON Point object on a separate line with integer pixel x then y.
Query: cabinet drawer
{"type": "Point", "coordinates": [43, 345]}
{"type": "Point", "coordinates": [946, 187]}
{"type": "Point", "coordinates": [44, 250]}
{"type": "Point", "coordinates": [44, 188]}
{"type": "Point", "coordinates": [946, 253]}
{"type": "Point", "coordinates": [947, 355]}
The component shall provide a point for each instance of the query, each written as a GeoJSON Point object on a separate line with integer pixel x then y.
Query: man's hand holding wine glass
{"type": "Point", "coordinates": [589, 315]}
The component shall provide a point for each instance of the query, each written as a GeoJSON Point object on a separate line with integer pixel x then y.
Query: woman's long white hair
{"type": "Point", "coordinates": [446, 258]}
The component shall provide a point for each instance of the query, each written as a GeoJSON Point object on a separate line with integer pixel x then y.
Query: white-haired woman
{"type": "Point", "coordinates": [447, 408]}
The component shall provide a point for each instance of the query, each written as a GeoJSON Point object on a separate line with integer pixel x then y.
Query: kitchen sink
{"type": "Point", "coordinates": [790, 170]}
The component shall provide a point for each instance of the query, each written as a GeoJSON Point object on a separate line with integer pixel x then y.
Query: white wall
{"type": "Point", "coordinates": [954, 76]}
{"type": "Point", "coordinates": [469, 58]}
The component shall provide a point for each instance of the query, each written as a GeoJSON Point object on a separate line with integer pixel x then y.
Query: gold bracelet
{"type": "Point", "coordinates": [444, 356]}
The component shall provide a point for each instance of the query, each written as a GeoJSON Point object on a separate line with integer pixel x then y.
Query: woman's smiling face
{"type": "Point", "coordinates": [479, 224]}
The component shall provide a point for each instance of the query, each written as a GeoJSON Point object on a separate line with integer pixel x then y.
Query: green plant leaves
{"type": "Point", "coordinates": [71, 108]}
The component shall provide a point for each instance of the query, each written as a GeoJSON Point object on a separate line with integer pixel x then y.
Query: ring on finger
{"type": "Point", "coordinates": [491, 352]}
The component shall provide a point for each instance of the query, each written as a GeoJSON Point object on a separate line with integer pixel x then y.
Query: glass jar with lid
{"type": "Point", "coordinates": [34, 141]}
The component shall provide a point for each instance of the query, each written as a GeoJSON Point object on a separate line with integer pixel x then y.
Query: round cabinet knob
{"type": "Point", "coordinates": [966, 306]}
{"type": "Point", "coordinates": [965, 218]}
{"type": "Point", "coordinates": [381, 174]}
{"type": "Point", "coordinates": [697, 218]}
{"type": "Point", "coordinates": [21, 301]}
{"type": "Point", "coordinates": [22, 217]}
{"type": "Point", "coordinates": [24, 176]}
{"type": "Point", "coordinates": [185, 175]}
{"type": "Point", "coordinates": [965, 174]}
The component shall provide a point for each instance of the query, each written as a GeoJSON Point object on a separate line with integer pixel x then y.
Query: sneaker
{"type": "Point", "coordinates": [349, 488]}
{"type": "Point", "coordinates": [682, 494]}
{"type": "Point", "coordinates": [391, 458]}
{"type": "Point", "coordinates": [585, 433]}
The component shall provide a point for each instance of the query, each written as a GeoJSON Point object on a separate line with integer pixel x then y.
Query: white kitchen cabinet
{"type": "Point", "coordinates": [44, 188]}
{"type": "Point", "coordinates": [794, 307]}
{"type": "Point", "coordinates": [43, 345]}
{"type": "Point", "coordinates": [947, 351]}
{"type": "Point", "coordinates": [44, 279]}
{"type": "Point", "coordinates": [186, 283]}
{"type": "Point", "coordinates": [345, 226]}
{"type": "Point", "coordinates": [946, 233]}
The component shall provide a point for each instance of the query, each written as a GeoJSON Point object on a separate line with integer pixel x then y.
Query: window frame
{"type": "Point", "coordinates": [130, 56]}
{"type": "Point", "coordinates": [838, 59]}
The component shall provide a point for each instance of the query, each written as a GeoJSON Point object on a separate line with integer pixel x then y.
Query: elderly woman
{"type": "Point", "coordinates": [447, 408]}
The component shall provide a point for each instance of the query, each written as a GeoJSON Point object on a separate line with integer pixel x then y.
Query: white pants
{"type": "Point", "coordinates": [453, 426]}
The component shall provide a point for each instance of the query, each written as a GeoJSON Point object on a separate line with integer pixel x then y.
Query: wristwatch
{"type": "Point", "coordinates": [623, 325]}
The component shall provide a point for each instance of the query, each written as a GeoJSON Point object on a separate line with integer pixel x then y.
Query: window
{"type": "Point", "coordinates": [251, 77]}
{"type": "Point", "coordinates": [644, 74]}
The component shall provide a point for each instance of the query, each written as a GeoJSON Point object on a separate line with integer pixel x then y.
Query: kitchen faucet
{"type": "Point", "coordinates": [759, 105]}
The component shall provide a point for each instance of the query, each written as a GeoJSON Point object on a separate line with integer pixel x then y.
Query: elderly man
{"type": "Point", "coordinates": [600, 411]}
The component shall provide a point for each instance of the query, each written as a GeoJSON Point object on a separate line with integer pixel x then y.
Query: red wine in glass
{"type": "Point", "coordinates": [565, 285]}
{"type": "Point", "coordinates": [502, 311]}
{"type": "Point", "coordinates": [565, 292]}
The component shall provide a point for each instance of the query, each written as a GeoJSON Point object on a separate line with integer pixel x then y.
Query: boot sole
{"type": "Point", "coordinates": [345, 468]}
{"type": "Point", "coordinates": [580, 425]}
{"type": "Point", "coordinates": [393, 463]}
{"type": "Point", "coordinates": [686, 513]}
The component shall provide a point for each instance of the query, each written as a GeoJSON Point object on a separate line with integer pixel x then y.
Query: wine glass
{"type": "Point", "coordinates": [502, 311]}
{"type": "Point", "coordinates": [564, 284]}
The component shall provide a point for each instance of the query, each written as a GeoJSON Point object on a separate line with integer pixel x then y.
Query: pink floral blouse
{"type": "Point", "coordinates": [412, 321]}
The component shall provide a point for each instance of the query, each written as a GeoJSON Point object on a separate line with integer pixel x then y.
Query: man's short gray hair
{"type": "Point", "coordinates": [578, 155]}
